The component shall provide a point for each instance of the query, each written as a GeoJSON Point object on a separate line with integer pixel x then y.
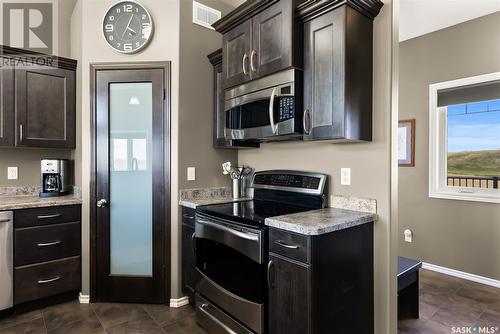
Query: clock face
{"type": "Point", "coordinates": [127, 27]}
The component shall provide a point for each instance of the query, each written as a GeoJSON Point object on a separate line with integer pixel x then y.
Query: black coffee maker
{"type": "Point", "coordinates": [55, 177]}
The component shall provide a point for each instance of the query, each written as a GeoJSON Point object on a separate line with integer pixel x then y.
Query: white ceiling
{"type": "Point", "coordinates": [420, 17]}
{"type": "Point", "coordinates": [234, 3]}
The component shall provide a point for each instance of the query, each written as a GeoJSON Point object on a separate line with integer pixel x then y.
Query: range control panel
{"type": "Point", "coordinates": [289, 180]}
{"type": "Point", "coordinates": [286, 107]}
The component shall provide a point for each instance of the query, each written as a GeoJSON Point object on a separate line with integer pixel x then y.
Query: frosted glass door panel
{"type": "Point", "coordinates": [130, 179]}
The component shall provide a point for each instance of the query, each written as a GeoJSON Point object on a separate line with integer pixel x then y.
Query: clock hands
{"type": "Point", "coordinates": [128, 26]}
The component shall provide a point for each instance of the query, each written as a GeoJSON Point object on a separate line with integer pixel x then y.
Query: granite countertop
{"type": "Point", "coordinates": [193, 203]}
{"type": "Point", "coordinates": [320, 221]}
{"type": "Point", "coordinates": [192, 198]}
{"type": "Point", "coordinates": [26, 202]}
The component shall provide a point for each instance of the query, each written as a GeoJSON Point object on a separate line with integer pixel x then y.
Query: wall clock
{"type": "Point", "coordinates": [127, 27]}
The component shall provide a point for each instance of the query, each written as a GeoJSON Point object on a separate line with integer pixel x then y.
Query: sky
{"type": "Point", "coordinates": [474, 127]}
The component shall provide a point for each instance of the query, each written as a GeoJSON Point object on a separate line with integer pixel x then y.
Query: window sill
{"type": "Point", "coordinates": [465, 197]}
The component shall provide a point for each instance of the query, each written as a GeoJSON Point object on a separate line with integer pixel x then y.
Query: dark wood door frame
{"type": "Point", "coordinates": [94, 68]}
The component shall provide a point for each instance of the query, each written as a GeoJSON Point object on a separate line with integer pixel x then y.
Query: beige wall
{"type": "Point", "coordinates": [196, 116]}
{"type": "Point", "coordinates": [457, 234]}
{"type": "Point", "coordinates": [370, 163]}
{"type": "Point", "coordinates": [89, 47]}
{"type": "Point", "coordinates": [28, 163]}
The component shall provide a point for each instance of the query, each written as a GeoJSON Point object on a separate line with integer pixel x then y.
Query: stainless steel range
{"type": "Point", "coordinates": [231, 249]}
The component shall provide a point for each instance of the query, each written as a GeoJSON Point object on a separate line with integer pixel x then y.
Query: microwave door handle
{"type": "Point", "coordinates": [271, 111]}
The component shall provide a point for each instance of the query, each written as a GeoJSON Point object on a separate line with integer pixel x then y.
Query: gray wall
{"type": "Point", "coordinates": [196, 114]}
{"type": "Point", "coordinates": [457, 234]}
{"type": "Point", "coordinates": [370, 163]}
{"type": "Point", "coordinates": [196, 102]}
{"type": "Point", "coordinates": [28, 163]}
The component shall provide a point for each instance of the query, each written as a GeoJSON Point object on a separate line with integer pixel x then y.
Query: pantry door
{"type": "Point", "coordinates": [131, 178]}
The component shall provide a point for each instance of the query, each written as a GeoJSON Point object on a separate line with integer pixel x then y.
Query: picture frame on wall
{"type": "Point", "coordinates": [406, 143]}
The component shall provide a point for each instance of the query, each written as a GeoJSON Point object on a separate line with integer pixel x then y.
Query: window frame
{"type": "Point", "coordinates": [438, 146]}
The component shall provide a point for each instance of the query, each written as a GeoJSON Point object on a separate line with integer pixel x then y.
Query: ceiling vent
{"type": "Point", "coordinates": [205, 16]}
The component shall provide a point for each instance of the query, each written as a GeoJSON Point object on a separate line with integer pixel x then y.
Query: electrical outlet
{"type": "Point", "coordinates": [191, 173]}
{"type": "Point", "coordinates": [408, 235]}
{"type": "Point", "coordinates": [12, 173]}
{"type": "Point", "coordinates": [345, 176]}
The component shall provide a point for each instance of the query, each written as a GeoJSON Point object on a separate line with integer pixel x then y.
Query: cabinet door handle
{"type": "Point", "coordinates": [193, 243]}
{"type": "Point", "coordinates": [20, 133]}
{"type": "Point", "coordinates": [284, 244]}
{"type": "Point", "coordinates": [270, 283]}
{"type": "Point", "coordinates": [4, 220]}
{"type": "Point", "coordinates": [245, 58]}
{"type": "Point", "coordinates": [50, 280]}
{"type": "Point", "coordinates": [49, 216]}
{"type": "Point", "coordinates": [187, 216]}
{"type": "Point", "coordinates": [46, 244]}
{"type": "Point", "coordinates": [252, 65]}
{"type": "Point", "coordinates": [307, 129]}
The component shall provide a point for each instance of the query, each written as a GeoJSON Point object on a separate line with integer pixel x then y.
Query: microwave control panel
{"type": "Point", "coordinates": [286, 107]}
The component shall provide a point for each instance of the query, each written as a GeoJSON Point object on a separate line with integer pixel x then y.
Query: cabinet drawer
{"type": "Point", "coordinates": [46, 279]}
{"type": "Point", "coordinates": [291, 245]}
{"type": "Point", "coordinates": [48, 215]}
{"type": "Point", "coordinates": [45, 243]}
{"type": "Point", "coordinates": [188, 216]}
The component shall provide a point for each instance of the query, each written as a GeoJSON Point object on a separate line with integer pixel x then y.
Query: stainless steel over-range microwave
{"type": "Point", "coordinates": [267, 109]}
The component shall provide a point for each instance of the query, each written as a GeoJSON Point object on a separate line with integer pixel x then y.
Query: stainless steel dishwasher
{"type": "Point", "coordinates": [6, 260]}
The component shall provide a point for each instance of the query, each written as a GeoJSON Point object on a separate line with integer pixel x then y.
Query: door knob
{"type": "Point", "coordinates": [102, 203]}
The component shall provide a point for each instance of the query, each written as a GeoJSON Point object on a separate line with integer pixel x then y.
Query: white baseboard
{"type": "Point", "coordinates": [461, 274]}
{"type": "Point", "coordinates": [84, 299]}
{"type": "Point", "coordinates": [179, 302]}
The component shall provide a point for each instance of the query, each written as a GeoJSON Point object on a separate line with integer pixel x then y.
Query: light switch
{"type": "Point", "coordinates": [345, 176]}
{"type": "Point", "coordinates": [191, 173]}
{"type": "Point", "coordinates": [408, 235]}
{"type": "Point", "coordinates": [12, 173]}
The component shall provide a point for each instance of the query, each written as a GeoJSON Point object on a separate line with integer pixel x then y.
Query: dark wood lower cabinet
{"type": "Point", "coordinates": [332, 294]}
{"type": "Point", "coordinates": [46, 279]}
{"type": "Point", "coordinates": [289, 296]}
{"type": "Point", "coordinates": [189, 273]}
{"type": "Point", "coordinates": [47, 250]}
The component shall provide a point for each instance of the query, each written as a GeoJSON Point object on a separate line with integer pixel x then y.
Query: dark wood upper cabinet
{"type": "Point", "coordinates": [260, 45]}
{"type": "Point", "coordinates": [45, 107]}
{"type": "Point", "coordinates": [236, 54]}
{"type": "Point", "coordinates": [338, 76]}
{"type": "Point", "coordinates": [6, 105]}
{"type": "Point", "coordinates": [37, 102]}
{"type": "Point", "coordinates": [289, 296]}
{"type": "Point", "coordinates": [272, 39]}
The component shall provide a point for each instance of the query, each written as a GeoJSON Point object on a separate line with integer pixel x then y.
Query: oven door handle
{"type": "Point", "coordinates": [244, 235]}
{"type": "Point", "coordinates": [203, 308]}
{"type": "Point", "coordinates": [274, 127]}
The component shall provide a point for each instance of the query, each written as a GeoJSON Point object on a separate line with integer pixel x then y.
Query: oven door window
{"type": "Point", "coordinates": [231, 270]}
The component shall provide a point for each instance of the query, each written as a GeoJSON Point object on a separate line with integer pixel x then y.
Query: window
{"type": "Point", "coordinates": [464, 141]}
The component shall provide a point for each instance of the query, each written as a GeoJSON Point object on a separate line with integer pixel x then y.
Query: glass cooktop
{"type": "Point", "coordinates": [252, 212]}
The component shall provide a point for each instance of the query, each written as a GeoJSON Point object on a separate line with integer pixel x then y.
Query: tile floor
{"type": "Point", "coordinates": [75, 318]}
{"type": "Point", "coordinates": [447, 302]}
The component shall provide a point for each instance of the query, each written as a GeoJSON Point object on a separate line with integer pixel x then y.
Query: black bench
{"type": "Point", "coordinates": [408, 288]}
